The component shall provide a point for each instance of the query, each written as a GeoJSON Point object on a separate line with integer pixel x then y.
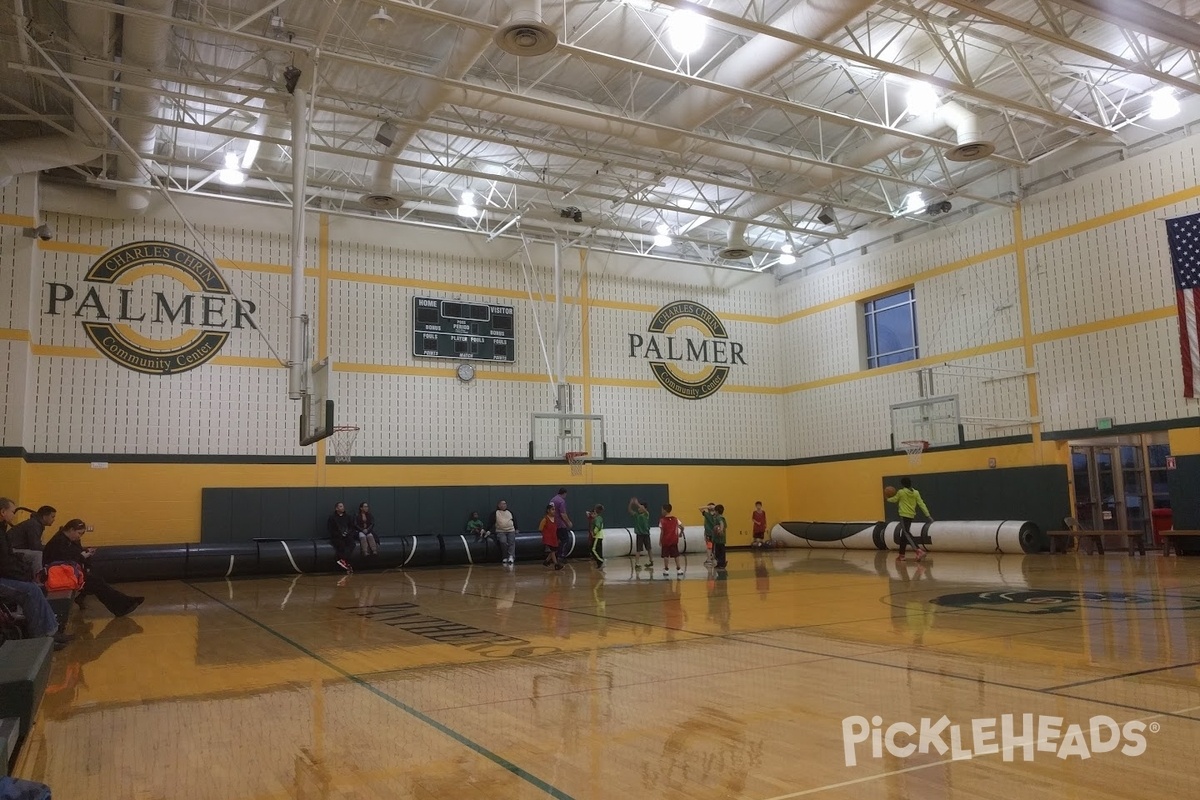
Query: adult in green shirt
{"type": "Point", "coordinates": [718, 535]}
{"type": "Point", "coordinates": [641, 531]}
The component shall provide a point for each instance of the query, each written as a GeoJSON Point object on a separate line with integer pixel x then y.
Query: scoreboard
{"type": "Point", "coordinates": [453, 329]}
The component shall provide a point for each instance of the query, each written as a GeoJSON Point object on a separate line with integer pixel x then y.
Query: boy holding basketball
{"type": "Point", "coordinates": [669, 529]}
{"type": "Point", "coordinates": [909, 500]}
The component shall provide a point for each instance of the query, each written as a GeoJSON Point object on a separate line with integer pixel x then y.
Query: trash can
{"type": "Point", "coordinates": [1163, 520]}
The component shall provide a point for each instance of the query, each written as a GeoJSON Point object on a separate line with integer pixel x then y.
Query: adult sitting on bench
{"type": "Point", "coordinates": [26, 537]}
{"type": "Point", "coordinates": [16, 576]}
{"type": "Point", "coordinates": [65, 546]}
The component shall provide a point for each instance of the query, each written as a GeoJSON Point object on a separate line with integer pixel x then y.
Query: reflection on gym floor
{"type": "Point", "coordinates": [494, 682]}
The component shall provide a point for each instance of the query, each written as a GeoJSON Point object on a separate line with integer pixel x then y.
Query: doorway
{"type": "Point", "coordinates": [1118, 481]}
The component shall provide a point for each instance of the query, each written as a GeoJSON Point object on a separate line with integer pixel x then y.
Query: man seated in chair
{"type": "Point", "coordinates": [65, 546]}
{"type": "Point", "coordinates": [26, 537]}
{"type": "Point", "coordinates": [17, 577]}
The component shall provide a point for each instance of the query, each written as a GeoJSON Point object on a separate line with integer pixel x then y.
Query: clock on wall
{"type": "Point", "coordinates": [466, 373]}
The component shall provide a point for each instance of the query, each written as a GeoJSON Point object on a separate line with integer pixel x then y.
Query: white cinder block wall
{"type": "Point", "coordinates": [1101, 328]}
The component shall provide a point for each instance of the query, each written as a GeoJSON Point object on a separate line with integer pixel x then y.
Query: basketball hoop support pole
{"type": "Point", "coordinates": [297, 364]}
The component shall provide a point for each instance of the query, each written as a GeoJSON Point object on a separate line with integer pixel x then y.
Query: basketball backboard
{"type": "Point", "coordinates": [555, 435]}
{"type": "Point", "coordinates": [931, 419]}
{"type": "Point", "coordinates": [316, 405]}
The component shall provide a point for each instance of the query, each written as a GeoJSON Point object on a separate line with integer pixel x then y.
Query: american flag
{"type": "Point", "coordinates": [1183, 235]}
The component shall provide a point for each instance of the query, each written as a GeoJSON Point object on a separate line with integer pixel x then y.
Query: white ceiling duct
{"type": "Point", "coordinates": [469, 46]}
{"type": "Point", "coordinates": [525, 34]}
{"type": "Point", "coordinates": [144, 45]}
{"type": "Point", "coordinates": [92, 32]}
{"type": "Point", "coordinates": [42, 152]}
{"type": "Point", "coordinates": [971, 144]}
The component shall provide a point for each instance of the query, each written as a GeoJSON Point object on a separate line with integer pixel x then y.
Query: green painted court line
{"type": "Point", "coordinates": [498, 760]}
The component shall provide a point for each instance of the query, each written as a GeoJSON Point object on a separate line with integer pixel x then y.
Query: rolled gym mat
{"type": "Point", "coordinates": [221, 560]}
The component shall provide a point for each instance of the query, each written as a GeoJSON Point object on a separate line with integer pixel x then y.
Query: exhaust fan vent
{"type": "Point", "coordinates": [380, 202]}
{"type": "Point", "coordinates": [526, 37]}
{"type": "Point", "coordinates": [735, 253]}
{"type": "Point", "coordinates": [971, 151]}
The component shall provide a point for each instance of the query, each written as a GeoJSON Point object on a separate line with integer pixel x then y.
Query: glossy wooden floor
{"type": "Point", "coordinates": [487, 682]}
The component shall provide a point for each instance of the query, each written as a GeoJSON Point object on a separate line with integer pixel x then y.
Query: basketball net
{"type": "Point", "coordinates": [915, 449]}
{"type": "Point", "coordinates": [342, 442]}
{"type": "Point", "coordinates": [576, 460]}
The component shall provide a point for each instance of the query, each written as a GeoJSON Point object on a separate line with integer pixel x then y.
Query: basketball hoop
{"type": "Point", "coordinates": [576, 458]}
{"type": "Point", "coordinates": [342, 442]}
{"type": "Point", "coordinates": [915, 449]}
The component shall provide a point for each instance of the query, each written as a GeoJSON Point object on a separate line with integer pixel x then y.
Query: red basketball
{"type": "Point", "coordinates": [889, 491]}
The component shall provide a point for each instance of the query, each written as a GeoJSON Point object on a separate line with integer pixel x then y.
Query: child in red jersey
{"type": "Point", "coordinates": [669, 529]}
{"type": "Point", "coordinates": [549, 529]}
{"type": "Point", "coordinates": [759, 518]}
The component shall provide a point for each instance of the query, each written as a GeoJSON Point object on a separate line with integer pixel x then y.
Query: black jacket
{"type": "Point", "coordinates": [61, 548]}
{"type": "Point", "coordinates": [12, 564]}
{"type": "Point", "coordinates": [339, 527]}
{"type": "Point", "coordinates": [27, 535]}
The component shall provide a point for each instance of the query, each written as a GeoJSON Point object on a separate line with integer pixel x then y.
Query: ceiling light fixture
{"type": "Point", "coordinates": [466, 207]}
{"type": "Point", "coordinates": [913, 203]}
{"type": "Point", "coordinates": [663, 237]}
{"type": "Point", "coordinates": [786, 258]}
{"type": "Point", "coordinates": [381, 20]}
{"type": "Point", "coordinates": [922, 99]}
{"type": "Point", "coordinates": [686, 31]}
{"type": "Point", "coordinates": [1163, 104]}
{"type": "Point", "coordinates": [232, 174]}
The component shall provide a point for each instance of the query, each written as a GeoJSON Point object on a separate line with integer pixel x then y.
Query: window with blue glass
{"type": "Point", "coordinates": [891, 329]}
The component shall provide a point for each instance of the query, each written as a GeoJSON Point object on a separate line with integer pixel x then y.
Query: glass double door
{"type": "Point", "coordinates": [1110, 487]}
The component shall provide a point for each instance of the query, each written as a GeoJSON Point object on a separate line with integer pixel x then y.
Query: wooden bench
{"type": "Point", "coordinates": [1060, 540]}
{"type": "Point", "coordinates": [1174, 539]}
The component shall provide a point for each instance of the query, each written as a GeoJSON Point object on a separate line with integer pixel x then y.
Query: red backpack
{"type": "Point", "coordinates": [64, 576]}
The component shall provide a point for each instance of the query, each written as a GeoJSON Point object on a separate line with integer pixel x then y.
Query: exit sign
{"type": "Point", "coordinates": [1104, 424]}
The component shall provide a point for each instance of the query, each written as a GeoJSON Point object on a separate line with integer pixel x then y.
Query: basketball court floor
{"type": "Point", "coordinates": [796, 674]}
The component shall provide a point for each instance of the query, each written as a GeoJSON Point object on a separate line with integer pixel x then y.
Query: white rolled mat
{"type": "Point", "coordinates": [950, 536]}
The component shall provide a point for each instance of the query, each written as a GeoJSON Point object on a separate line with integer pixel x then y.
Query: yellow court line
{"type": "Point", "coordinates": [14, 335]}
{"type": "Point", "coordinates": [247, 361]}
{"type": "Point", "coordinates": [17, 220]}
{"type": "Point", "coordinates": [442, 286]}
{"type": "Point", "coordinates": [884, 288]}
{"type": "Point", "coordinates": [54, 350]}
{"type": "Point", "coordinates": [927, 361]}
{"type": "Point", "coordinates": [440, 372]}
{"type": "Point", "coordinates": [59, 246]}
{"type": "Point", "coordinates": [1136, 318]}
{"type": "Point", "coordinates": [649, 308]}
{"type": "Point", "coordinates": [1135, 210]}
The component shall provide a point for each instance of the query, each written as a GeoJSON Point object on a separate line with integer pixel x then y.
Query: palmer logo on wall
{"type": "Point", "coordinates": [688, 348]}
{"type": "Point", "coordinates": [153, 307]}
